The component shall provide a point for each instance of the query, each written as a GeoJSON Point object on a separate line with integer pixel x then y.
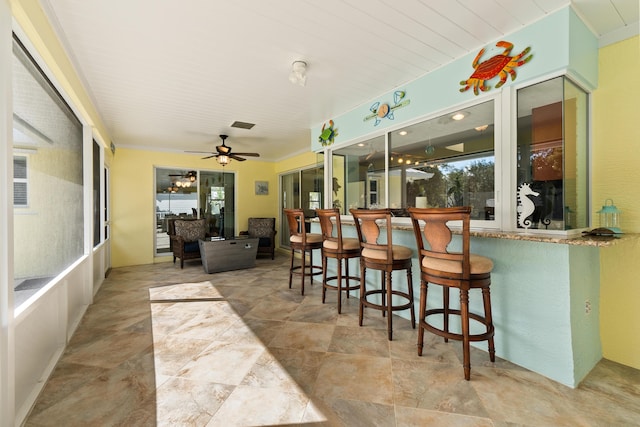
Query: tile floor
{"type": "Point", "coordinates": [170, 347]}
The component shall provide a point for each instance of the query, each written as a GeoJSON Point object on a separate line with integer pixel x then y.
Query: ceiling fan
{"type": "Point", "coordinates": [190, 175]}
{"type": "Point", "coordinates": [180, 180]}
{"type": "Point", "coordinates": [224, 153]}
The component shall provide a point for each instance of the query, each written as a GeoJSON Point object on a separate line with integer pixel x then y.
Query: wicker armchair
{"type": "Point", "coordinates": [265, 230]}
{"type": "Point", "coordinates": [184, 243]}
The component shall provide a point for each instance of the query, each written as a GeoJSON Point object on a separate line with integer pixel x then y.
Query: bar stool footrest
{"type": "Point", "coordinates": [312, 270]}
{"type": "Point", "coordinates": [363, 300]}
{"type": "Point", "coordinates": [344, 288]}
{"type": "Point", "coordinates": [452, 335]}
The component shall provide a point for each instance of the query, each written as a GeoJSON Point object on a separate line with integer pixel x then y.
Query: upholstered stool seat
{"type": "Point", "coordinates": [304, 242]}
{"type": "Point", "coordinates": [462, 270]}
{"type": "Point", "coordinates": [383, 255]}
{"type": "Point", "coordinates": [341, 249]}
{"type": "Point", "coordinates": [479, 265]}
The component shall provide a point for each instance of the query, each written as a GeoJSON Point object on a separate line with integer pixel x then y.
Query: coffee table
{"type": "Point", "coordinates": [220, 254]}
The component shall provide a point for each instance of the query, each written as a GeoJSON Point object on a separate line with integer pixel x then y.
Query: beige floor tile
{"type": "Point", "coordinates": [253, 406]}
{"type": "Point", "coordinates": [168, 346]}
{"type": "Point", "coordinates": [304, 336]}
{"type": "Point", "coordinates": [222, 362]}
{"type": "Point", "coordinates": [355, 377]}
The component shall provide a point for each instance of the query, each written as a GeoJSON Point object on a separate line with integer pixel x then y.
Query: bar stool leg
{"type": "Point", "coordinates": [310, 267]}
{"type": "Point", "coordinates": [410, 292]}
{"type": "Point", "coordinates": [423, 318]}
{"type": "Point", "coordinates": [486, 299]}
{"type": "Point", "coordinates": [445, 301]}
{"type": "Point", "coordinates": [339, 284]}
{"type": "Point", "coordinates": [346, 271]}
{"type": "Point", "coordinates": [363, 290]}
{"type": "Point", "coordinates": [383, 293]}
{"type": "Point", "coordinates": [324, 277]}
{"type": "Point", "coordinates": [302, 269]}
{"type": "Point", "coordinates": [464, 313]}
{"type": "Point", "coordinates": [291, 267]}
{"type": "Point", "coordinates": [388, 306]}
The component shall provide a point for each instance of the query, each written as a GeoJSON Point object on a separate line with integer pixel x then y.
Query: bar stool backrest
{"type": "Point", "coordinates": [368, 225]}
{"type": "Point", "coordinates": [330, 231]}
{"type": "Point", "coordinates": [295, 219]}
{"type": "Point", "coordinates": [434, 238]}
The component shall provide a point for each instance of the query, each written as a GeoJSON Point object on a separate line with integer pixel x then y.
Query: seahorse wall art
{"type": "Point", "coordinates": [525, 205]}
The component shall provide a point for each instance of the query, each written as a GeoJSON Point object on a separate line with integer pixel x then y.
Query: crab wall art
{"type": "Point", "coordinates": [501, 65]}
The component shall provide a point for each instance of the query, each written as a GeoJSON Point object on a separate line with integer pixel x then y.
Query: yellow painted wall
{"type": "Point", "coordinates": [616, 154]}
{"type": "Point", "coordinates": [133, 198]}
{"type": "Point", "coordinates": [299, 161]}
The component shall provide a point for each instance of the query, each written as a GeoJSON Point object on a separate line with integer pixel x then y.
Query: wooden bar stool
{"type": "Point", "coordinates": [340, 248]}
{"type": "Point", "coordinates": [304, 242]}
{"type": "Point", "coordinates": [461, 270]}
{"type": "Point", "coordinates": [385, 257]}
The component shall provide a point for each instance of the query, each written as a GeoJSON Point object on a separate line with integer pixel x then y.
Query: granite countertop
{"type": "Point", "coordinates": [532, 236]}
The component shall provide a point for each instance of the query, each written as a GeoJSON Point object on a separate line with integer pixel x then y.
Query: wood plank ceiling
{"type": "Point", "coordinates": [173, 75]}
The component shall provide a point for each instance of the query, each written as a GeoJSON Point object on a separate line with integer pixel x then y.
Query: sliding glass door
{"type": "Point", "coordinates": [302, 189]}
{"type": "Point", "coordinates": [191, 194]}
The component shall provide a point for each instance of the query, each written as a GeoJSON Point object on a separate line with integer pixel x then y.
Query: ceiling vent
{"type": "Point", "coordinates": [242, 125]}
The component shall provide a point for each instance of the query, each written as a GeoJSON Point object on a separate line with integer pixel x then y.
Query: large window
{"type": "Point", "coordinates": [49, 220]}
{"type": "Point", "coordinates": [445, 161]}
{"type": "Point", "coordinates": [552, 154]}
{"type": "Point", "coordinates": [451, 160]}
{"type": "Point", "coordinates": [359, 171]}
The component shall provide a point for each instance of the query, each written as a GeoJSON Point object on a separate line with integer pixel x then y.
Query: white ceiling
{"type": "Point", "coordinates": [173, 75]}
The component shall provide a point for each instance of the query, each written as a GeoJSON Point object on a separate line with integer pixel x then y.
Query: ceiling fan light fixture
{"type": "Point", "coordinates": [223, 159]}
{"type": "Point", "coordinates": [298, 74]}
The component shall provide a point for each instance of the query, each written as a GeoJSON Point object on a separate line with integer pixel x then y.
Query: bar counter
{"type": "Point", "coordinates": [545, 295]}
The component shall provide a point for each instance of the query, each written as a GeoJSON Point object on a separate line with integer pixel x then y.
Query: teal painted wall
{"type": "Point", "coordinates": [584, 270]}
{"type": "Point", "coordinates": [550, 40]}
{"type": "Point", "coordinates": [538, 294]}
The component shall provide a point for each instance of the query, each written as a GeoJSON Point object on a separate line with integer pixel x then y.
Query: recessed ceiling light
{"type": "Point", "coordinates": [361, 145]}
{"type": "Point", "coordinates": [458, 116]}
{"type": "Point", "coordinates": [403, 132]}
{"type": "Point", "coordinates": [481, 128]}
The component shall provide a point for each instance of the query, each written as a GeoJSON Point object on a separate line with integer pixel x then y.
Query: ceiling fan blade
{"type": "Point", "coordinates": [247, 154]}
{"type": "Point", "coordinates": [199, 152]}
{"type": "Point", "coordinates": [208, 157]}
{"type": "Point", "coordinates": [235, 157]}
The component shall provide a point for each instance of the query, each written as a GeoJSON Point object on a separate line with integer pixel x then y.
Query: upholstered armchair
{"type": "Point", "coordinates": [184, 241]}
{"type": "Point", "coordinates": [265, 230]}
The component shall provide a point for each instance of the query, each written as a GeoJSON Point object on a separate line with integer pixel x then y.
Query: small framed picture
{"type": "Point", "coordinates": [262, 188]}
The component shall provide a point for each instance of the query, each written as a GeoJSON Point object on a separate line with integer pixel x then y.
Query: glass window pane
{"type": "Point", "coordinates": [290, 196]}
{"type": "Point", "coordinates": [312, 189]}
{"type": "Point", "coordinates": [217, 202]}
{"type": "Point", "coordinates": [359, 179]}
{"type": "Point", "coordinates": [445, 161]}
{"type": "Point", "coordinates": [552, 155]}
{"type": "Point", "coordinates": [45, 127]}
{"type": "Point", "coordinates": [576, 167]}
{"type": "Point", "coordinates": [97, 171]}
